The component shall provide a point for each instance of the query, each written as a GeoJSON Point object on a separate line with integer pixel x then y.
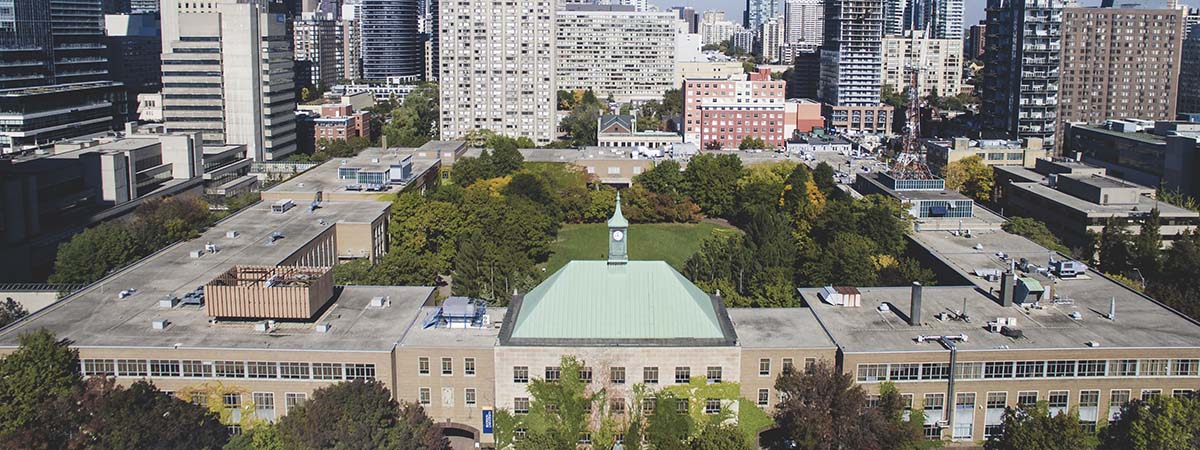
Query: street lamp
{"type": "Point", "coordinates": [1140, 277]}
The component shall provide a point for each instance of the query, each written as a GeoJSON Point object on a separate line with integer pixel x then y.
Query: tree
{"type": "Point", "coordinates": [359, 415]}
{"type": "Point", "coordinates": [665, 177]}
{"type": "Point", "coordinates": [1159, 423]}
{"type": "Point", "coordinates": [668, 428]}
{"type": "Point", "coordinates": [412, 124]}
{"type": "Point", "coordinates": [711, 182]}
{"type": "Point", "coordinates": [1032, 426]}
{"type": "Point", "coordinates": [823, 409]}
{"type": "Point", "coordinates": [260, 437]}
{"type": "Point", "coordinates": [1146, 246]}
{"type": "Point", "coordinates": [38, 383]}
{"type": "Point", "coordinates": [144, 417]}
{"type": "Point", "coordinates": [1178, 283]}
{"type": "Point", "coordinates": [720, 437]}
{"type": "Point", "coordinates": [752, 143]}
{"type": "Point", "coordinates": [971, 177]}
{"type": "Point", "coordinates": [1035, 231]}
{"type": "Point", "coordinates": [823, 177]}
{"type": "Point", "coordinates": [90, 255]}
{"type": "Point", "coordinates": [559, 410]}
{"type": "Point", "coordinates": [11, 311]}
{"type": "Point", "coordinates": [505, 159]}
{"type": "Point", "coordinates": [1115, 249]}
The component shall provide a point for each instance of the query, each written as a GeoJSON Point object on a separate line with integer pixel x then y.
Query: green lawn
{"type": "Point", "coordinates": [670, 242]}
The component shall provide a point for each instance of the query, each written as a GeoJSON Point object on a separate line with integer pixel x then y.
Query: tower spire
{"type": "Point", "coordinates": [617, 227]}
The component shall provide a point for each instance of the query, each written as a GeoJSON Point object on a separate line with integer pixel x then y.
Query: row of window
{"type": "Point", "coordinates": [271, 370]}
{"type": "Point", "coordinates": [447, 366]}
{"type": "Point", "coordinates": [683, 374]}
{"type": "Point", "coordinates": [1030, 369]}
{"type": "Point", "coordinates": [617, 405]}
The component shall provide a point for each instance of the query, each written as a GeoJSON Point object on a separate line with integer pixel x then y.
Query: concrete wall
{"type": "Point", "coordinates": [447, 392]}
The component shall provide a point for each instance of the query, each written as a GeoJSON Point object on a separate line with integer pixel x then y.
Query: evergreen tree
{"type": "Point", "coordinates": [1146, 245]}
{"type": "Point", "coordinates": [1115, 249]}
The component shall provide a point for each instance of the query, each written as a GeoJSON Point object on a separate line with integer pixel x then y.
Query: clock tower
{"type": "Point", "coordinates": [618, 229]}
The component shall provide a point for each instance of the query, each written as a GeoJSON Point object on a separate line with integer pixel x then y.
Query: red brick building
{"type": "Point", "coordinates": [728, 110]}
{"type": "Point", "coordinates": [339, 122]}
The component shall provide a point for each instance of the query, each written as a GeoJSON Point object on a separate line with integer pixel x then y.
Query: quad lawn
{"type": "Point", "coordinates": [670, 242]}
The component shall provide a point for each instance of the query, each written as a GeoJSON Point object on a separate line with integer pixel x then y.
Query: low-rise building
{"type": "Point", "coordinates": [340, 122]}
{"type": "Point", "coordinates": [715, 68]}
{"type": "Point", "coordinates": [721, 112]}
{"type": "Point", "coordinates": [621, 131]}
{"type": "Point", "coordinates": [925, 198]}
{"type": "Point", "coordinates": [363, 177]}
{"type": "Point", "coordinates": [993, 152]}
{"type": "Point", "coordinates": [814, 142]}
{"type": "Point", "coordinates": [1161, 154]}
{"type": "Point", "coordinates": [872, 119]}
{"type": "Point", "coordinates": [1075, 199]}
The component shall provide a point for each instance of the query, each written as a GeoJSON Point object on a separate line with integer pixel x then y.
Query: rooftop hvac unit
{"type": "Point", "coordinates": [322, 328]}
{"type": "Point", "coordinates": [126, 293]}
{"type": "Point", "coordinates": [231, 234]}
{"type": "Point", "coordinates": [1012, 333]}
{"type": "Point", "coordinates": [380, 302]}
{"type": "Point", "coordinates": [262, 327]}
{"type": "Point", "coordinates": [160, 324]}
{"type": "Point", "coordinates": [168, 302]}
{"type": "Point", "coordinates": [195, 253]}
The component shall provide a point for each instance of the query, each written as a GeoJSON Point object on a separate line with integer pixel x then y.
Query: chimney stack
{"type": "Point", "coordinates": [1006, 289]}
{"type": "Point", "coordinates": [914, 312]}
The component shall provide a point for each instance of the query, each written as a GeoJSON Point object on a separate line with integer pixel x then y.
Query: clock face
{"type": "Point", "coordinates": [618, 235]}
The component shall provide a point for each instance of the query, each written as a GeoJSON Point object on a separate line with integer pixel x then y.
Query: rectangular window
{"type": "Point", "coordinates": [993, 420]}
{"type": "Point", "coordinates": [232, 400]}
{"type": "Point", "coordinates": [968, 371]}
{"type": "Point", "coordinates": [1030, 369]}
{"type": "Point", "coordinates": [199, 398]}
{"type": "Point", "coordinates": [469, 396]}
{"type": "Point", "coordinates": [164, 368]}
{"type": "Point", "coordinates": [904, 372]}
{"type": "Point", "coordinates": [423, 366]}
{"type": "Point", "coordinates": [131, 367]}
{"type": "Point", "coordinates": [935, 371]}
{"type": "Point", "coordinates": [447, 366]}
{"type": "Point", "coordinates": [229, 369]}
{"type": "Point", "coordinates": [993, 370]}
{"type": "Point", "coordinates": [714, 374]}
{"type": "Point", "coordinates": [294, 371]}
{"type": "Point", "coordinates": [616, 375]}
{"type": "Point", "coordinates": [1117, 399]}
{"type": "Point", "coordinates": [327, 371]}
{"type": "Point", "coordinates": [683, 375]}
{"type": "Point", "coordinates": [553, 373]}
{"type": "Point", "coordinates": [1058, 401]}
{"type": "Point", "coordinates": [650, 375]}
{"type": "Point", "coordinates": [264, 406]}
{"type": "Point", "coordinates": [356, 371]}
{"type": "Point", "coordinates": [872, 372]}
{"type": "Point", "coordinates": [764, 367]}
{"type": "Point", "coordinates": [964, 416]}
{"type": "Point", "coordinates": [681, 406]}
{"type": "Point", "coordinates": [1153, 368]}
{"type": "Point", "coordinates": [1060, 369]}
{"type": "Point", "coordinates": [788, 365]}
{"type": "Point", "coordinates": [616, 405]}
{"type": "Point", "coordinates": [648, 404]}
{"type": "Point", "coordinates": [521, 405]}
{"type": "Point", "coordinates": [1148, 393]}
{"type": "Point", "coordinates": [1027, 398]}
{"type": "Point", "coordinates": [1122, 367]}
{"type": "Point", "coordinates": [469, 367]}
{"type": "Point", "coordinates": [1089, 406]}
{"type": "Point", "coordinates": [764, 397]}
{"type": "Point", "coordinates": [260, 369]}
{"type": "Point", "coordinates": [1092, 368]}
{"type": "Point", "coordinates": [423, 396]}
{"type": "Point", "coordinates": [1184, 367]}
{"type": "Point", "coordinates": [293, 400]}
{"type": "Point", "coordinates": [98, 367]}
{"type": "Point", "coordinates": [712, 406]}
{"type": "Point", "coordinates": [520, 374]}
{"type": "Point", "coordinates": [809, 363]}
{"type": "Point", "coordinates": [585, 374]}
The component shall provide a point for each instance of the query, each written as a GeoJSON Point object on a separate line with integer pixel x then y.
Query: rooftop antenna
{"type": "Point", "coordinates": [910, 163]}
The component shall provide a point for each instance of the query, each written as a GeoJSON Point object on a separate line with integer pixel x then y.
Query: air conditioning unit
{"type": "Point", "coordinates": [160, 324]}
{"type": "Point", "coordinates": [322, 328]}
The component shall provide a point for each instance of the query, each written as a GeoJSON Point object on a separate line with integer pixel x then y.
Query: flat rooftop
{"type": "Point", "coordinates": [324, 177]}
{"type": "Point", "coordinates": [778, 328]}
{"type": "Point", "coordinates": [1141, 322]}
{"type": "Point", "coordinates": [1104, 181]}
{"type": "Point", "coordinates": [1144, 204]}
{"type": "Point", "coordinates": [1140, 136]}
{"type": "Point", "coordinates": [95, 317]}
{"type": "Point", "coordinates": [416, 335]}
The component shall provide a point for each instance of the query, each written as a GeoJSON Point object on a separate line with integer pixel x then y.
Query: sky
{"type": "Point", "coordinates": [733, 8]}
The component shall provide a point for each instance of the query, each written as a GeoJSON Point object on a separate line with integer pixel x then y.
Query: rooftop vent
{"type": "Point", "coordinates": [126, 293]}
{"type": "Point", "coordinates": [160, 324]}
{"type": "Point", "coordinates": [231, 234]}
{"type": "Point", "coordinates": [265, 326]}
{"type": "Point", "coordinates": [1093, 344]}
{"type": "Point", "coordinates": [195, 253]}
{"type": "Point", "coordinates": [322, 328]}
{"type": "Point", "coordinates": [380, 302]}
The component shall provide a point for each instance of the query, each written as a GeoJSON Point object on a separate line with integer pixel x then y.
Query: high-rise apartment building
{"type": "Point", "coordinates": [714, 29]}
{"type": "Point", "coordinates": [497, 68]}
{"type": "Point", "coordinates": [54, 78]}
{"type": "Point", "coordinates": [804, 21]}
{"type": "Point", "coordinates": [617, 51]}
{"type": "Point", "coordinates": [316, 39]}
{"type": "Point", "coordinates": [895, 17]}
{"type": "Point", "coordinates": [391, 44]}
{"type": "Point", "coordinates": [1189, 73]}
{"type": "Point", "coordinates": [976, 41]}
{"type": "Point", "coordinates": [850, 58]}
{"type": "Point", "coordinates": [770, 38]}
{"type": "Point", "coordinates": [757, 12]}
{"type": "Point", "coordinates": [688, 14]}
{"type": "Point", "coordinates": [1120, 63]}
{"type": "Point", "coordinates": [228, 73]}
{"type": "Point", "coordinates": [143, 6]}
{"type": "Point", "coordinates": [349, 27]}
{"type": "Point", "coordinates": [134, 44]}
{"type": "Point", "coordinates": [1021, 69]}
{"type": "Point", "coordinates": [939, 61]}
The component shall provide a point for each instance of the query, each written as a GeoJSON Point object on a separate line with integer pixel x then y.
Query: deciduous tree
{"type": "Point", "coordinates": [1032, 426]}
{"type": "Point", "coordinates": [971, 177]}
{"type": "Point", "coordinates": [359, 415]}
{"type": "Point", "coordinates": [1157, 423]}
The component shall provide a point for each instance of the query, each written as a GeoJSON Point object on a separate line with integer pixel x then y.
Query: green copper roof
{"type": "Point", "coordinates": [638, 300]}
{"type": "Point", "coordinates": [618, 219]}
